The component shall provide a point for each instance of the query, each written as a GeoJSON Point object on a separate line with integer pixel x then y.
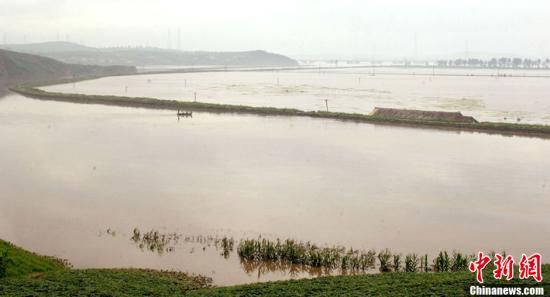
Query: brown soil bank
{"type": "Point", "coordinates": [422, 115]}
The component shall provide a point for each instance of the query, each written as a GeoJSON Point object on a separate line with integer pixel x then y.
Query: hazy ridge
{"type": "Point", "coordinates": [20, 67]}
{"type": "Point", "coordinates": [146, 56]}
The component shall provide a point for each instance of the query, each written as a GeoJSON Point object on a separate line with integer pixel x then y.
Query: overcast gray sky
{"type": "Point", "coordinates": [299, 28]}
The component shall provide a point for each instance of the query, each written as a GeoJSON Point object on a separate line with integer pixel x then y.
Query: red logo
{"type": "Point", "coordinates": [504, 266]}
{"type": "Point", "coordinates": [531, 266]}
{"type": "Point", "coordinates": [479, 265]}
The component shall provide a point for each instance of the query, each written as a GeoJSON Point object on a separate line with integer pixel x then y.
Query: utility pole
{"type": "Point", "coordinates": [326, 104]}
{"type": "Point", "coordinates": [415, 48]}
{"type": "Point", "coordinates": [467, 47]}
{"type": "Point", "coordinates": [373, 60]}
{"type": "Point", "coordinates": [179, 39]}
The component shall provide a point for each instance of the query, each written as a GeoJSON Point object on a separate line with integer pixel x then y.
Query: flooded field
{"type": "Point", "coordinates": [77, 180]}
{"type": "Point", "coordinates": [488, 95]}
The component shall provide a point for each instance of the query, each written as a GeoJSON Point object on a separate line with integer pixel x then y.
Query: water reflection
{"type": "Point", "coordinates": [261, 268]}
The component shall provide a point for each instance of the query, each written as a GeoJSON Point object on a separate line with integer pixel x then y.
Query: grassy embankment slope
{"type": "Point", "coordinates": [29, 274]}
{"type": "Point", "coordinates": [19, 67]}
{"type": "Point", "coordinates": [34, 275]}
{"type": "Point", "coordinates": [32, 90]}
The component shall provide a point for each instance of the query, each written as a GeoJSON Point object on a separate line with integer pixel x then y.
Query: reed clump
{"type": "Point", "coordinates": [306, 254]}
{"type": "Point", "coordinates": [457, 262]}
{"type": "Point", "coordinates": [397, 262]}
{"type": "Point", "coordinates": [384, 258]}
{"type": "Point", "coordinates": [411, 262]}
{"type": "Point", "coordinates": [266, 253]}
{"type": "Point", "coordinates": [155, 241]}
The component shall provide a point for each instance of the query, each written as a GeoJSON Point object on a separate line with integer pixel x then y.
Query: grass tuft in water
{"type": "Point", "coordinates": [305, 253]}
{"type": "Point", "coordinates": [384, 258]}
{"type": "Point", "coordinates": [411, 262]}
{"type": "Point", "coordinates": [397, 262]}
{"type": "Point", "coordinates": [442, 263]}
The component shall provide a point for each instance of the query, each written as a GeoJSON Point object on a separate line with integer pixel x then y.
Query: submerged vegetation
{"type": "Point", "coordinates": [411, 263]}
{"type": "Point", "coordinates": [156, 241]}
{"type": "Point", "coordinates": [265, 255]}
{"type": "Point", "coordinates": [306, 254]}
{"type": "Point", "coordinates": [293, 256]}
{"type": "Point", "coordinates": [281, 253]}
{"type": "Point", "coordinates": [32, 90]}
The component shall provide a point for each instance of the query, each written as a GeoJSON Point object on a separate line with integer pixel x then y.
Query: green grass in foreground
{"type": "Point", "coordinates": [98, 282]}
{"type": "Point", "coordinates": [39, 276]}
{"type": "Point", "coordinates": [386, 284]}
{"type": "Point", "coordinates": [103, 282]}
{"type": "Point", "coordinates": [21, 262]}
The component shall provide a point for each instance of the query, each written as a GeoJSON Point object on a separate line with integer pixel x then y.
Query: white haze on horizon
{"type": "Point", "coordinates": [301, 29]}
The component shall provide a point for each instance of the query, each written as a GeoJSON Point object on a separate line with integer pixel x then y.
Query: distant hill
{"type": "Point", "coordinates": [146, 56]}
{"type": "Point", "coordinates": [19, 67]}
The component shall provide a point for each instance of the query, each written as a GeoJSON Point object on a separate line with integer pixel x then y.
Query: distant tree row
{"type": "Point", "coordinates": [497, 63]}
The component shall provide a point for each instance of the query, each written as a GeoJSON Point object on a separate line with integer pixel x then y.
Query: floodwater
{"type": "Point", "coordinates": [75, 180]}
{"type": "Point", "coordinates": [487, 96]}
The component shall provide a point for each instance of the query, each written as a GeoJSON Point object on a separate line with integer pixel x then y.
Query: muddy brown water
{"type": "Point", "coordinates": [76, 179]}
{"type": "Point", "coordinates": [487, 98]}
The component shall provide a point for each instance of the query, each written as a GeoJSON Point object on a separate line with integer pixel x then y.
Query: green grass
{"type": "Point", "coordinates": [30, 274]}
{"type": "Point", "coordinates": [21, 262]}
{"type": "Point", "coordinates": [44, 276]}
{"type": "Point", "coordinates": [31, 90]}
{"type": "Point", "coordinates": [103, 282]}
{"type": "Point", "coordinates": [97, 282]}
{"type": "Point", "coordinates": [388, 284]}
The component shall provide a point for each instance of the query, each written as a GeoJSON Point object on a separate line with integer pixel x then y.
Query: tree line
{"type": "Point", "coordinates": [502, 62]}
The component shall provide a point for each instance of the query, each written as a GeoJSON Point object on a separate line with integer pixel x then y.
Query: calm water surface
{"type": "Point", "coordinates": [75, 180]}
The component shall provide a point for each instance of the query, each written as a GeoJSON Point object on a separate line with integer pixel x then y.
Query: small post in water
{"type": "Point", "coordinates": [195, 96]}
